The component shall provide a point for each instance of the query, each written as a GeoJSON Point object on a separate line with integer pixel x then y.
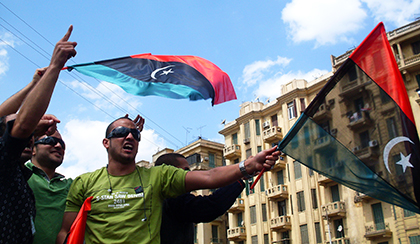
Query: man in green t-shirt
{"type": "Point", "coordinates": [127, 199]}
{"type": "Point", "coordinates": [50, 188]}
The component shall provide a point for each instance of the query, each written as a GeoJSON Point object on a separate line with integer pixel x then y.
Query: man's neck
{"type": "Point", "coordinates": [119, 169]}
{"type": "Point", "coordinates": [48, 171]}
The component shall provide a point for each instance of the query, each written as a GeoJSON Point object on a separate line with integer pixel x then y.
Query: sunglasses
{"type": "Point", "coordinates": [52, 141]}
{"type": "Point", "coordinates": [122, 131]}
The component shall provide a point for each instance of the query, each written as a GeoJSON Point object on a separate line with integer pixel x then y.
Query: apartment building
{"type": "Point", "coordinates": [293, 204]}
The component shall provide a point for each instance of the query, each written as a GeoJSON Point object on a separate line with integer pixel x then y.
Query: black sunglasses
{"type": "Point", "coordinates": [52, 141]}
{"type": "Point", "coordinates": [122, 131]}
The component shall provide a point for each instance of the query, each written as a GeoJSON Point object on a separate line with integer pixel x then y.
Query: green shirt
{"type": "Point", "coordinates": [50, 202]}
{"type": "Point", "coordinates": [117, 215]}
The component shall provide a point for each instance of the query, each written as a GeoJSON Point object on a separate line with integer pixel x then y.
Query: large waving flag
{"type": "Point", "coordinates": [360, 131]}
{"type": "Point", "coordinates": [163, 75]}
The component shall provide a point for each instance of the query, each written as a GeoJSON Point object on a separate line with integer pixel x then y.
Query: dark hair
{"type": "Point", "coordinates": [169, 159]}
{"type": "Point", "coordinates": [109, 128]}
{"type": "Point", "coordinates": [2, 125]}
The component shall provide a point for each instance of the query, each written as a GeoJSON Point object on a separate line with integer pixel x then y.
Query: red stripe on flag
{"type": "Point", "coordinates": [375, 57]}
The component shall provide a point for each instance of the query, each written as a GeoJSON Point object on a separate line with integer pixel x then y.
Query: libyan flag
{"type": "Point", "coordinates": [359, 130]}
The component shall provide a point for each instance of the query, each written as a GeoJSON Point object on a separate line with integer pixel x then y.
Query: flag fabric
{"type": "Point", "coordinates": [164, 75]}
{"type": "Point", "coordinates": [359, 130]}
{"type": "Point", "coordinates": [77, 230]}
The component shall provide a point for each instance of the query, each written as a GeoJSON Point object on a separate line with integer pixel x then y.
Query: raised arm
{"type": "Point", "coordinates": [37, 101]}
{"type": "Point", "coordinates": [13, 103]}
{"type": "Point", "coordinates": [222, 176]}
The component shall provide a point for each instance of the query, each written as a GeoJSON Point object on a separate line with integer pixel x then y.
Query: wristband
{"type": "Point", "coordinates": [243, 170]}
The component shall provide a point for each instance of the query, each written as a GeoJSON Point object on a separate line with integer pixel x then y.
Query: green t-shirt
{"type": "Point", "coordinates": [50, 202]}
{"type": "Point", "coordinates": [116, 217]}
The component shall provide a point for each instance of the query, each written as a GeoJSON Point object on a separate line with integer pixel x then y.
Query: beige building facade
{"type": "Point", "coordinates": [293, 204]}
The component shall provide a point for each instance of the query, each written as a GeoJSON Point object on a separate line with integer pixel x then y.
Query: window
{"type": "Point", "coordinates": [257, 127]}
{"type": "Point", "coordinates": [384, 96]}
{"type": "Point", "coordinates": [414, 239]}
{"type": "Point", "coordinates": [195, 233]}
{"type": "Point", "coordinates": [335, 193]}
{"type": "Point", "coordinates": [248, 152]}
{"type": "Point", "coordinates": [314, 200]}
{"type": "Point", "coordinates": [307, 135]}
{"type": "Point", "coordinates": [318, 233]}
{"type": "Point", "coordinates": [262, 186]}
{"type": "Point", "coordinates": [274, 121]}
{"type": "Point", "coordinates": [254, 239]}
{"type": "Point", "coordinates": [352, 73]}
{"type": "Point", "coordinates": [212, 162]}
{"type": "Point", "coordinates": [378, 216]}
{"type": "Point", "coordinates": [280, 178]}
{"type": "Point", "coordinates": [253, 213]}
{"type": "Point", "coordinates": [247, 130]}
{"type": "Point", "coordinates": [302, 104]}
{"type": "Point", "coordinates": [416, 47]}
{"type": "Point", "coordinates": [379, 66]}
{"type": "Point", "coordinates": [266, 241]}
{"type": "Point", "coordinates": [392, 128]}
{"type": "Point", "coordinates": [235, 138]}
{"type": "Point", "coordinates": [215, 233]}
{"type": "Point", "coordinates": [281, 206]}
{"type": "Point", "coordinates": [298, 170]}
{"type": "Point", "coordinates": [300, 201]}
{"type": "Point", "coordinates": [364, 139]}
{"type": "Point", "coordinates": [240, 220]}
{"type": "Point", "coordinates": [193, 159]}
{"type": "Point", "coordinates": [285, 236]}
{"type": "Point", "coordinates": [408, 213]}
{"type": "Point", "coordinates": [264, 212]}
{"type": "Point", "coordinates": [304, 234]}
{"type": "Point", "coordinates": [291, 110]}
{"type": "Point", "coordinates": [259, 149]}
{"type": "Point", "coordinates": [339, 228]}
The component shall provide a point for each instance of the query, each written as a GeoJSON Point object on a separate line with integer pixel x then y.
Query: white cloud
{"type": "Point", "coordinates": [107, 96]}
{"type": "Point", "coordinates": [6, 41]}
{"type": "Point", "coordinates": [399, 12]}
{"type": "Point", "coordinates": [84, 149]}
{"type": "Point", "coordinates": [325, 21]}
{"type": "Point", "coordinates": [254, 72]}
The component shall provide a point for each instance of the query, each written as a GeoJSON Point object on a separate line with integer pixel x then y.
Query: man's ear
{"type": "Point", "coordinates": [105, 142]}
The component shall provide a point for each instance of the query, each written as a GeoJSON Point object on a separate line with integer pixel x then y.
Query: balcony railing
{"type": "Point", "coordinates": [232, 151]}
{"type": "Point", "coordinates": [378, 231]}
{"type": "Point", "coordinates": [281, 223]}
{"type": "Point", "coordinates": [334, 210]}
{"type": "Point", "coordinates": [324, 181]}
{"type": "Point", "coordinates": [277, 192]}
{"type": "Point", "coordinates": [323, 113]}
{"type": "Point", "coordinates": [272, 134]}
{"type": "Point", "coordinates": [358, 120]}
{"type": "Point", "coordinates": [237, 206]}
{"type": "Point", "coordinates": [236, 234]}
{"type": "Point", "coordinates": [323, 143]}
{"type": "Point", "coordinates": [341, 240]}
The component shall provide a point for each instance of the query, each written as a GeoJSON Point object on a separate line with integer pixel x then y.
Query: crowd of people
{"type": "Point", "coordinates": [130, 204]}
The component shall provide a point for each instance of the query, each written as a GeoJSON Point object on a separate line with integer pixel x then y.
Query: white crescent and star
{"type": "Point", "coordinates": [165, 71]}
{"type": "Point", "coordinates": [405, 160]}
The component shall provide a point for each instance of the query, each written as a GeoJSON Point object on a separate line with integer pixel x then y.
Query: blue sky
{"type": "Point", "coordinates": [259, 45]}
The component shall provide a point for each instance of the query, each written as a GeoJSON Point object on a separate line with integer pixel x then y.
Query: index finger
{"type": "Point", "coordinates": [67, 35]}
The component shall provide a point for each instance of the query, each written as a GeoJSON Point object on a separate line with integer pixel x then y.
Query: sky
{"type": "Point", "coordinates": [260, 45]}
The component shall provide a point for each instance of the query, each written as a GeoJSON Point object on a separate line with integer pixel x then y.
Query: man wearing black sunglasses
{"type": "Point", "coordinates": [50, 188]}
{"type": "Point", "coordinates": [127, 199]}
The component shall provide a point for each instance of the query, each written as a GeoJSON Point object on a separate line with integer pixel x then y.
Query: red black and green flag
{"type": "Point", "coordinates": [164, 75]}
{"type": "Point", "coordinates": [360, 131]}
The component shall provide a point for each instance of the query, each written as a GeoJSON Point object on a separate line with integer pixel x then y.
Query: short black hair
{"type": "Point", "coordinates": [108, 129]}
{"type": "Point", "coordinates": [169, 159]}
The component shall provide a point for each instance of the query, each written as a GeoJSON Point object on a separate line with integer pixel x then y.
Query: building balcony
{"type": "Point", "coordinates": [360, 197]}
{"type": "Point", "coordinates": [323, 113]}
{"type": "Point", "coordinates": [237, 206]}
{"type": "Point", "coordinates": [359, 120]}
{"type": "Point", "coordinates": [281, 223]}
{"type": "Point", "coordinates": [232, 151]}
{"type": "Point", "coordinates": [236, 234]}
{"type": "Point", "coordinates": [272, 134]}
{"type": "Point", "coordinates": [378, 231]}
{"type": "Point", "coordinates": [334, 210]}
{"type": "Point", "coordinates": [282, 241]}
{"type": "Point", "coordinates": [324, 181]}
{"type": "Point", "coordinates": [280, 164]}
{"type": "Point", "coordinates": [323, 143]}
{"type": "Point", "coordinates": [278, 192]}
{"type": "Point", "coordinates": [352, 88]}
{"type": "Point", "coordinates": [341, 240]}
{"type": "Point", "coordinates": [367, 155]}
